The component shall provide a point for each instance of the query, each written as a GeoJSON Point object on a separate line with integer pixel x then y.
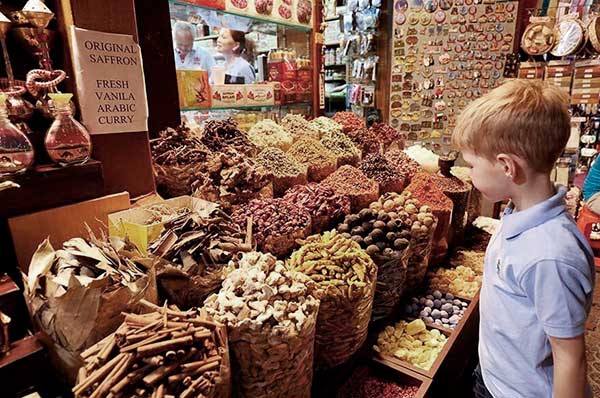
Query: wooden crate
{"type": "Point", "coordinates": [453, 336]}
{"type": "Point", "coordinates": [403, 376]}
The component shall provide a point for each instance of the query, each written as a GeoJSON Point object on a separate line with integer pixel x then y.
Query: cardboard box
{"type": "Point", "coordinates": [135, 222]}
{"type": "Point", "coordinates": [228, 95]}
{"type": "Point", "coordinates": [260, 94]}
{"type": "Point", "coordinates": [194, 90]}
{"type": "Point", "coordinates": [62, 223]}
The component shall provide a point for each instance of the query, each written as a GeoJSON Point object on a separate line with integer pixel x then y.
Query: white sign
{"type": "Point", "coordinates": [110, 82]}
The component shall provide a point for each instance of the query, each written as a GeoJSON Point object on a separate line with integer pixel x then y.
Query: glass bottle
{"type": "Point", "coordinates": [67, 141]}
{"type": "Point", "coordinates": [16, 151]}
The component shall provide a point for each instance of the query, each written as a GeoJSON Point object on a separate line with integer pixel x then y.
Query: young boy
{"type": "Point", "coordinates": [539, 275]}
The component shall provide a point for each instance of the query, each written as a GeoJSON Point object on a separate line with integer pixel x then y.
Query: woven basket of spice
{"type": "Point", "coordinates": [283, 169]}
{"type": "Point", "coordinates": [350, 181]}
{"type": "Point", "coordinates": [318, 159]}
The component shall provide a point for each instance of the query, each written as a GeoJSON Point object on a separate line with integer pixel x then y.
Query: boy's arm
{"type": "Point", "coordinates": [569, 367]}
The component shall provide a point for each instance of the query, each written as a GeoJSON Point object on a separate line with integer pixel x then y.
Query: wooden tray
{"type": "Point", "coordinates": [452, 335]}
{"type": "Point", "coordinates": [403, 376]}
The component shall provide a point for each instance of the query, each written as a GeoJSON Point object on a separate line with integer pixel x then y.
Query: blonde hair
{"type": "Point", "coordinates": [526, 118]}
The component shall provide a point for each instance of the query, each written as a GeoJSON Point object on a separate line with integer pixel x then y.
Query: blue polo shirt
{"type": "Point", "coordinates": [538, 281]}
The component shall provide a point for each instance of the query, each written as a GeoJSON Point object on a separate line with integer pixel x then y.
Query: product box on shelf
{"type": "Point", "coordinates": [228, 95]}
{"type": "Point", "coordinates": [216, 4]}
{"type": "Point", "coordinates": [140, 226]}
{"type": "Point", "coordinates": [260, 94]}
{"type": "Point", "coordinates": [194, 89]}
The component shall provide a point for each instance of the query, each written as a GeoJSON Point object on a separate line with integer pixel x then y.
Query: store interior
{"type": "Point", "coordinates": [260, 198]}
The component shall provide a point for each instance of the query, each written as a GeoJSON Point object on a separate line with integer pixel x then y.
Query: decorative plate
{"type": "Point", "coordinates": [537, 39]}
{"type": "Point", "coordinates": [571, 34]}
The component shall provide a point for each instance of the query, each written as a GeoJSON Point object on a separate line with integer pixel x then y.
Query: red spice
{"type": "Point", "coordinates": [365, 384]}
{"type": "Point", "coordinates": [424, 188]}
{"type": "Point", "coordinates": [388, 134]}
{"type": "Point", "coordinates": [349, 120]}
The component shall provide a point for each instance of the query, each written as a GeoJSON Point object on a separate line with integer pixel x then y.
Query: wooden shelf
{"type": "Point", "coordinates": [25, 366]}
{"type": "Point", "coordinates": [48, 186]}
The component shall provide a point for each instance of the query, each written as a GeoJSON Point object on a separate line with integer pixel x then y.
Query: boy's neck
{"type": "Point", "coordinates": [535, 190]}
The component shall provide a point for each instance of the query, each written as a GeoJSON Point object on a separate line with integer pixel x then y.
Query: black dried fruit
{"type": "Point", "coordinates": [391, 236]}
{"type": "Point", "coordinates": [357, 231]}
{"type": "Point", "coordinates": [379, 224]}
{"type": "Point", "coordinates": [377, 234]}
{"type": "Point", "coordinates": [372, 249]}
{"type": "Point", "coordinates": [358, 239]}
{"type": "Point", "coordinates": [400, 243]}
{"type": "Point", "coordinates": [381, 245]}
{"type": "Point", "coordinates": [368, 240]}
{"type": "Point", "coordinates": [343, 228]}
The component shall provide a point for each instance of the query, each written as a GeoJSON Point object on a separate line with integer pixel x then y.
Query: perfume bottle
{"type": "Point", "coordinates": [16, 151]}
{"type": "Point", "coordinates": [67, 141]}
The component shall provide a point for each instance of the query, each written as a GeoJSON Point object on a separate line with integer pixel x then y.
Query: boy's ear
{"type": "Point", "coordinates": [509, 165]}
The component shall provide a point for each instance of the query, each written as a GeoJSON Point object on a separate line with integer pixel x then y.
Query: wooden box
{"type": "Point", "coordinates": [137, 223]}
{"type": "Point", "coordinates": [453, 335]}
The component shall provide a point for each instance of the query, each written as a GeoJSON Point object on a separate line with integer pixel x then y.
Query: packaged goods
{"type": "Point", "coordinates": [267, 133]}
{"type": "Point", "coordinates": [349, 181]}
{"type": "Point", "coordinates": [198, 246]}
{"type": "Point", "coordinates": [276, 224]}
{"type": "Point", "coordinates": [88, 280]}
{"type": "Point", "coordinates": [319, 160]}
{"type": "Point", "coordinates": [321, 202]}
{"type": "Point", "coordinates": [437, 308]}
{"type": "Point", "coordinates": [346, 276]}
{"type": "Point", "coordinates": [411, 342]}
{"type": "Point", "coordinates": [343, 148]}
{"type": "Point", "coordinates": [163, 353]}
{"type": "Point", "coordinates": [282, 168]}
{"type": "Point", "coordinates": [299, 127]}
{"type": "Point", "coordinates": [460, 281]}
{"type": "Point", "coordinates": [377, 167]}
{"type": "Point", "coordinates": [271, 313]}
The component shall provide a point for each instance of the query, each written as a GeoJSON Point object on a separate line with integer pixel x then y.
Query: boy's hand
{"type": "Point", "coordinates": [570, 378]}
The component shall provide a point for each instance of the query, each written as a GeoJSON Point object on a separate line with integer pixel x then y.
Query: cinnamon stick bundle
{"type": "Point", "coordinates": [164, 353]}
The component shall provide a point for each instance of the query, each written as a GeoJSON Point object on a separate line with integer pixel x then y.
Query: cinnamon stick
{"type": "Point", "coordinates": [186, 367]}
{"type": "Point", "coordinates": [97, 375]}
{"type": "Point", "coordinates": [104, 386]}
{"type": "Point", "coordinates": [166, 370]}
{"type": "Point", "coordinates": [162, 346]}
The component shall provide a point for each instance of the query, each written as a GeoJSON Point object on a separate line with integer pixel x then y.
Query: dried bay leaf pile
{"type": "Point", "coordinates": [76, 294]}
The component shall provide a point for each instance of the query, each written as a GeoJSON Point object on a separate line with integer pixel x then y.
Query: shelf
{"type": "Point", "coordinates": [333, 18]}
{"type": "Point", "coordinates": [335, 65]}
{"type": "Point", "coordinates": [331, 44]}
{"type": "Point", "coordinates": [248, 107]}
{"type": "Point", "coordinates": [68, 185]}
{"type": "Point", "coordinates": [211, 37]}
{"type": "Point", "coordinates": [334, 80]}
{"type": "Point", "coordinates": [242, 15]}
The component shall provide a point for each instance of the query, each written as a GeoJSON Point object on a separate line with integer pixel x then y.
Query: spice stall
{"type": "Point", "coordinates": [275, 251]}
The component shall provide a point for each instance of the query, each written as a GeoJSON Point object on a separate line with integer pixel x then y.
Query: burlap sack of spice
{"type": "Point", "coordinates": [186, 289]}
{"type": "Point", "coordinates": [391, 280]}
{"type": "Point", "coordinates": [346, 277]}
{"type": "Point", "coordinates": [77, 312]}
{"type": "Point", "coordinates": [421, 246]}
{"type": "Point", "coordinates": [271, 315]}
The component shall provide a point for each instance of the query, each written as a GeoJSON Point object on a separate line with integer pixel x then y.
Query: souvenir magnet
{"type": "Point", "coordinates": [401, 5]}
{"type": "Point", "coordinates": [439, 16]}
{"type": "Point", "coordinates": [445, 4]}
{"type": "Point", "coordinates": [416, 5]}
{"type": "Point", "coordinates": [400, 18]}
{"type": "Point", "coordinates": [430, 5]}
